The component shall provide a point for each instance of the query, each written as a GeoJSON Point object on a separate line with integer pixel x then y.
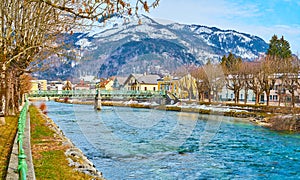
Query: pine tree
{"type": "Point", "coordinates": [285, 48]}
{"type": "Point", "coordinates": [273, 46]}
{"type": "Point", "coordinates": [279, 48]}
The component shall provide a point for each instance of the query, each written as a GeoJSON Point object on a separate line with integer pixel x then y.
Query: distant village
{"type": "Point", "coordinates": [183, 87]}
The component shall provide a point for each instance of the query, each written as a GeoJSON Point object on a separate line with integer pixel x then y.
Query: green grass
{"type": "Point", "coordinates": [49, 159]}
{"type": "Point", "coordinates": [7, 135]}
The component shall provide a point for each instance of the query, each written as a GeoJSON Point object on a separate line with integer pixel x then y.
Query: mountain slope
{"type": "Point", "coordinates": [146, 55]}
{"type": "Point", "coordinates": [125, 47]}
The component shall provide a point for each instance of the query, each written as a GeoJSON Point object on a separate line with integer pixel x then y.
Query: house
{"type": "Point", "coordinates": [187, 87]}
{"type": "Point", "coordinates": [107, 84]}
{"type": "Point", "coordinates": [169, 84]}
{"type": "Point", "coordinates": [38, 85]}
{"type": "Point", "coordinates": [82, 86]}
{"type": "Point", "coordinates": [141, 82]}
{"type": "Point", "coordinates": [118, 83]}
{"type": "Point", "coordinates": [228, 95]}
{"type": "Point", "coordinates": [55, 86]}
{"type": "Point", "coordinates": [183, 87]}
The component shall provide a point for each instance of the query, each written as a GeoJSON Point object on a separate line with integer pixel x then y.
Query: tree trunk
{"type": "Point", "coordinates": [217, 96]}
{"type": "Point", "coordinates": [279, 99]}
{"type": "Point", "coordinates": [236, 97]}
{"type": "Point", "coordinates": [199, 96]}
{"type": "Point", "coordinates": [268, 97]}
{"type": "Point", "coordinates": [10, 108]}
{"type": "Point", "coordinates": [246, 96]}
{"type": "Point", "coordinates": [293, 98]}
{"type": "Point", "coordinates": [257, 98]}
{"type": "Point", "coordinates": [209, 96]}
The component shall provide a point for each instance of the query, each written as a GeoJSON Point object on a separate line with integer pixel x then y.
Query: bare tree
{"type": "Point", "coordinates": [216, 79]}
{"type": "Point", "coordinates": [290, 77]}
{"type": "Point", "coordinates": [202, 82]}
{"type": "Point", "coordinates": [252, 79]}
{"type": "Point", "coordinates": [32, 30]}
{"type": "Point", "coordinates": [267, 76]}
{"type": "Point", "coordinates": [246, 74]}
{"type": "Point", "coordinates": [232, 69]}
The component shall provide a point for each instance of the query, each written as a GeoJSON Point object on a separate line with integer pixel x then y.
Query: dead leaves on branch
{"type": "Point", "coordinates": [102, 9]}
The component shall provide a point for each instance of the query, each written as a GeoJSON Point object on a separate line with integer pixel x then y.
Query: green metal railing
{"type": "Point", "coordinates": [22, 166]}
{"type": "Point", "coordinates": [92, 93]}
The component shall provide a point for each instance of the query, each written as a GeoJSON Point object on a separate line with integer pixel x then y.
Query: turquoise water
{"type": "Point", "coordinates": [126, 143]}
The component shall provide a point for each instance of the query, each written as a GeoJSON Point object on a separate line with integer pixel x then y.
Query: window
{"type": "Point", "coordinates": [145, 88]}
{"type": "Point", "coordinates": [275, 97]}
{"type": "Point", "coordinates": [242, 96]}
{"type": "Point", "coordinates": [153, 88]}
{"type": "Point", "coordinates": [270, 97]}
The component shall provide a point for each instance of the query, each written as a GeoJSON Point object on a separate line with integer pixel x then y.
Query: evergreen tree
{"type": "Point", "coordinates": [279, 48]}
{"type": "Point", "coordinates": [223, 61]}
{"type": "Point", "coordinates": [285, 48]}
{"type": "Point", "coordinates": [230, 62]}
{"type": "Point", "coordinates": [273, 46]}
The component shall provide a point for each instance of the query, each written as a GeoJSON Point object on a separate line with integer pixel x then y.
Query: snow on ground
{"type": "Point", "coordinates": [217, 108]}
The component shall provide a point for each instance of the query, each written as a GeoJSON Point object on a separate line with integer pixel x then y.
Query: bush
{"type": "Point", "coordinates": [43, 108]}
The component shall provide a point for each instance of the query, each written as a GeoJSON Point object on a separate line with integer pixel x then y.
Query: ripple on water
{"type": "Point", "coordinates": [235, 150]}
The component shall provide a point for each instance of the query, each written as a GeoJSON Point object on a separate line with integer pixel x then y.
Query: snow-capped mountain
{"type": "Point", "coordinates": [122, 47]}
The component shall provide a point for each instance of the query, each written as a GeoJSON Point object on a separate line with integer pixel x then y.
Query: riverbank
{"type": "Point", "coordinates": [51, 151]}
{"type": "Point", "coordinates": [272, 117]}
{"type": "Point", "coordinates": [233, 111]}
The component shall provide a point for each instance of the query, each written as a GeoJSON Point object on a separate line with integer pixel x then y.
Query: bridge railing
{"type": "Point", "coordinates": [22, 166]}
{"type": "Point", "coordinates": [61, 93]}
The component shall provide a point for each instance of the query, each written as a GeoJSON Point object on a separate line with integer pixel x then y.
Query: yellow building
{"type": "Point", "coordinates": [107, 84]}
{"type": "Point", "coordinates": [183, 87]}
{"type": "Point", "coordinates": [37, 85]}
{"type": "Point", "coordinates": [168, 84]}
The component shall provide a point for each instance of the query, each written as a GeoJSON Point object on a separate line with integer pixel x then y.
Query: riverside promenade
{"type": "Point", "coordinates": [12, 171]}
{"type": "Point", "coordinates": [84, 167]}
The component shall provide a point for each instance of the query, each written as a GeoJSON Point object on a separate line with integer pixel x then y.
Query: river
{"type": "Point", "coordinates": [128, 143]}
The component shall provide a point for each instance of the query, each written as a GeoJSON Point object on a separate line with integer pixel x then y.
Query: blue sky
{"type": "Point", "coordinates": [263, 18]}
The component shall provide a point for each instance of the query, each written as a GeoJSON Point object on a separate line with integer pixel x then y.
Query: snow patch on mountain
{"type": "Point", "coordinates": [83, 43]}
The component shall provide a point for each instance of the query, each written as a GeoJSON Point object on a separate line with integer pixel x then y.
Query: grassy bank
{"type": "Point", "coordinates": [48, 150]}
{"type": "Point", "coordinates": [7, 135]}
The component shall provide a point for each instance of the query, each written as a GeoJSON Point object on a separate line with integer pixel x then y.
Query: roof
{"type": "Point", "coordinates": [121, 80]}
{"type": "Point", "coordinates": [136, 76]}
{"type": "Point", "coordinates": [148, 79]}
{"type": "Point", "coordinates": [104, 83]}
{"type": "Point", "coordinates": [144, 79]}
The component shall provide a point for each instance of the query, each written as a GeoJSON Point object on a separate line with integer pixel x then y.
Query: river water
{"type": "Point", "coordinates": [128, 143]}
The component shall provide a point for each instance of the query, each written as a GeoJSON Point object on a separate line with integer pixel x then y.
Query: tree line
{"type": "Point", "coordinates": [32, 34]}
{"type": "Point", "coordinates": [277, 65]}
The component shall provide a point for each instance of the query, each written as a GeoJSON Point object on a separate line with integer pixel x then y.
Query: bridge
{"type": "Point", "coordinates": [105, 94]}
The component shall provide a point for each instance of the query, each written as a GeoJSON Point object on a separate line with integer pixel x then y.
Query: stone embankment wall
{"type": "Point", "coordinates": [285, 123]}
{"type": "Point", "coordinates": [75, 156]}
